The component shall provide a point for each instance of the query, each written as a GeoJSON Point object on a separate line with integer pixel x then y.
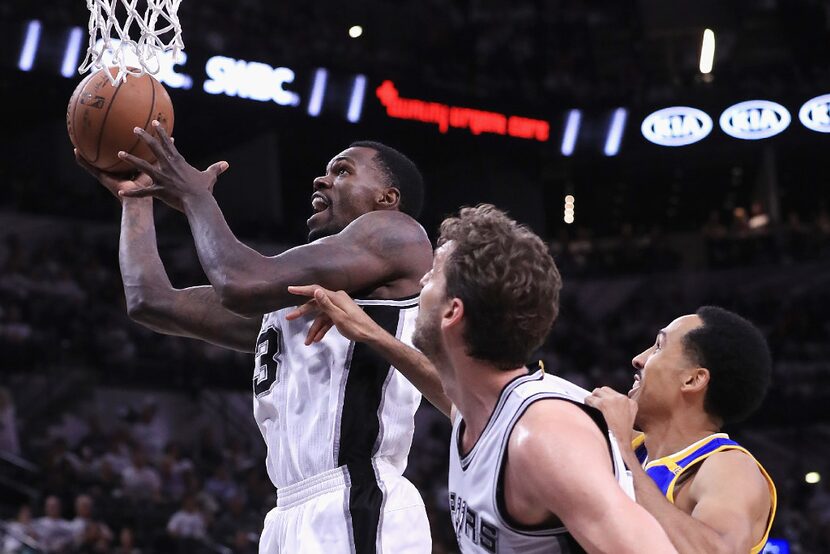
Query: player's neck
{"type": "Point", "coordinates": [676, 432]}
{"type": "Point", "coordinates": [480, 386]}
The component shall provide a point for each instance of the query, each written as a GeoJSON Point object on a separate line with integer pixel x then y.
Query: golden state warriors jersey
{"type": "Point", "coordinates": [666, 471]}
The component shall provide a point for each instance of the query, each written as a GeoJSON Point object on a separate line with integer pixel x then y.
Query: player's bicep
{"type": "Point", "coordinates": [376, 248]}
{"type": "Point", "coordinates": [568, 469]}
{"type": "Point", "coordinates": [731, 496]}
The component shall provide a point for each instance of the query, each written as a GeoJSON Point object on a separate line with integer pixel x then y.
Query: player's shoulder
{"type": "Point", "coordinates": [553, 424]}
{"type": "Point", "coordinates": [389, 231]}
{"type": "Point", "coordinates": [735, 470]}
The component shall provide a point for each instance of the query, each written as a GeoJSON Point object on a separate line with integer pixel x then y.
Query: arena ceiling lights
{"type": "Point", "coordinates": [750, 120]}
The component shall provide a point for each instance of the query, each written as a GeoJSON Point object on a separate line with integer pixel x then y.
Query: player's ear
{"type": "Point", "coordinates": [390, 199]}
{"type": "Point", "coordinates": [696, 380]}
{"type": "Point", "coordinates": [453, 313]}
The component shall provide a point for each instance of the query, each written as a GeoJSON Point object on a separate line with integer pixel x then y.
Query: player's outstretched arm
{"type": "Point", "coordinates": [151, 299]}
{"type": "Point", "coordinates": [381, 246]}
{"type": "Point", "coordinates": [338, 309]}
{"type": "Point", "coordinates": [731, 496]}
{"type": "Point", "coordinates": [558, 459]}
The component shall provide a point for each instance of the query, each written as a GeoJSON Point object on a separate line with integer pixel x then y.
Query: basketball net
{"type": "Point", "coordinates": [110, 42]}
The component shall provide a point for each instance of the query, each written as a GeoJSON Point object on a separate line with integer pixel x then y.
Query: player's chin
{"type": "Point", "coordinates": [320, 226]}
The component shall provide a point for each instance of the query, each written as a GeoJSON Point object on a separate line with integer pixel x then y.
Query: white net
{"type": "Point", "coordinates": [153, 23]}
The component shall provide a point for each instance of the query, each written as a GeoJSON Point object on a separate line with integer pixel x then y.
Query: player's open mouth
{"type": "Point", "coordinates": [636, 384]}
{"type": "Point", "coordinates": [319, 202]}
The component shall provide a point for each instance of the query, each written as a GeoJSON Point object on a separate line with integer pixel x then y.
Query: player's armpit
{"type": "Point", "coordinates": [195, 313]}
{"type": "Point", "coordinates": [732, 497]}
{"type": "Point", "coordinates": [559, 459]}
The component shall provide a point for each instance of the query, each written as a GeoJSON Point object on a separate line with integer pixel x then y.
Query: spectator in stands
{"type": "Point", "coordinates": [20, 532]}
{"type": "Point", "coordinates": [188, 525]}
{"type": "Point", "coordinates": [220, 485]}
{"type": "Point", "coordinates": [9, 441]}
{"type": "Point", "coordinates": [126, 542]}
{"type": "Point", "coordinates": [89, 535]}
{"type": "Point", "coordinates": [54, 533]}
{"type": "Point", "coordinates": [140, 480]}
{"type": "Point", "coordinates": [235, 519]}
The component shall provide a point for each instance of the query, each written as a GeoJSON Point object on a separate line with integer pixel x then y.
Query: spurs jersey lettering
{"type": "Point", "coordinates": [334, 403]}
{"type": "Point", "coordinates": [476, 479]}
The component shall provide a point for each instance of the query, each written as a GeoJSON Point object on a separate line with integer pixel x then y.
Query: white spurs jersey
{"type": "Point", "coordinates": [334, 403]}
{"type": "Point", "coordinates": [475, 482]}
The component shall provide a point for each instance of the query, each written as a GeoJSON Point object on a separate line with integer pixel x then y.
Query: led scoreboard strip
{"type": "Point", "coordinates": [257, 81]}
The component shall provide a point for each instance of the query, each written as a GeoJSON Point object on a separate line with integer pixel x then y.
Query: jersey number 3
{"type": "Point", "coordinates": [266, 363]}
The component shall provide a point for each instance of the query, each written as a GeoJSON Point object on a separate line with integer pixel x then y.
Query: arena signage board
{"type": "Point", "coordinates": [754, 119]}
{"type": "Point", "coordinates": [446, 116]}
{"type": "Point", "coordinates": [676, 126]}
{"type": "Point", "coordinates": [815, 114]}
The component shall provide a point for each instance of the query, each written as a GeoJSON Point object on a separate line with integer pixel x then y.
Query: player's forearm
{"type": "Point", "coordinates": [688, 535]}
{"type": "Point", "coordinates": [414, 366]}
{"type": "Point", "coordinates": [231, 267]}
{"type": "Point", "coordinates": [142, 272]}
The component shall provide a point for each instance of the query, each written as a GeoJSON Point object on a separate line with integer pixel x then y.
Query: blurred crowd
{"type": "Point", "coordinates": [111, 489]}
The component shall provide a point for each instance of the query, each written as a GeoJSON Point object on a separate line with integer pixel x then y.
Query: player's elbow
{"type": "Point", "coordinates": [143, 307]}
{"type": "Point", "coordinates": [236, 297]}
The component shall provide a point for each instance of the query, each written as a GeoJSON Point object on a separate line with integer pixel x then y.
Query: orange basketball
{"type": "Point", "coordinates": [100, 118]}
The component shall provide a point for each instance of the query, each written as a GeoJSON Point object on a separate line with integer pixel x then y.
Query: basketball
{"type": "Point", "coordinates": [101, 117]}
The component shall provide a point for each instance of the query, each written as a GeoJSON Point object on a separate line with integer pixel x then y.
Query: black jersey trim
{"type": "Point", "coordinates": [360, 428]}
{"type": "Point", "coordinates": [465, 458]}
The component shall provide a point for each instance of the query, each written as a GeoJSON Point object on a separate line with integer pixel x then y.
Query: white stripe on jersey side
{"type": "Point", "coordinates": [341, 395]}
{"type": "Point", "coordinates": [389, 375]}
{"type": "Point", "coordinates": [379, 441]}
{"type": "Point", "coordinates": [346, 512]}
{"type": "Point", "coordinates": [385, 495]}
{"type": "Point", "coordinates": [408, 302]}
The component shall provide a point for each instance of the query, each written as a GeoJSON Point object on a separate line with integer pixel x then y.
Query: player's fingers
{"type": "Point", "coordinates": [143, 180]}
{"type": "Point", "coordinates": [218, 168]}
{"type": "Point", "coordinates": [94, 171]}
{"type": "Point", "coordinates": [164, 139]}
{"type": "Point", "coordinates": [303, 290]}
{"type": "Point", "coordinates": [319, 323]}
{"type": "Point", "coordinates": [300, 311]}
{"type": "Point", "coordinates": [312, 332]}
{"type": "Point", "coordinates": [323, 298]}
{"type": "Point", "coordinates": [155, 190]}
{"type": "Point", "coordinates": [152, 142]}
{"type": "Point", "coordinates": [323, 330]}
{"type": "Point", "coordinates": [142, 165]}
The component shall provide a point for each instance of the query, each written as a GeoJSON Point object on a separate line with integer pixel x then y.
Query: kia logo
{"type": "Point", "coordinates": [754, 119]}
{"type": "Point", "coordinates": [676, 126]}
{"type": "Point", "coordinates": [815, 114]}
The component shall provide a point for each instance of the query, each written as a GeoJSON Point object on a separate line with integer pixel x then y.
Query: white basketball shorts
{"type": "Point", "coordinates": [338, 512]}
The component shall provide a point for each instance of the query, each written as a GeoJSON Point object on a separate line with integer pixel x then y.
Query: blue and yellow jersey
{"type": "Point", "coordinates": [666, 471]}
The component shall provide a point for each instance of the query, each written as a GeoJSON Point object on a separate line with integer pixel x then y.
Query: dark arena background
{"type": "Point", "coordinates": [658, 186]}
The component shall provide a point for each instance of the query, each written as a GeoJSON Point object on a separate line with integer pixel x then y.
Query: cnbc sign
{"type": "Point", "coordinates": [750, 120]}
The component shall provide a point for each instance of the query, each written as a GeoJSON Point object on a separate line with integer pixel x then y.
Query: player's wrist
{"type": "Point", "coordinates": [128, 202]}
{"type": "Point", "coordinates": [193, 199]}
